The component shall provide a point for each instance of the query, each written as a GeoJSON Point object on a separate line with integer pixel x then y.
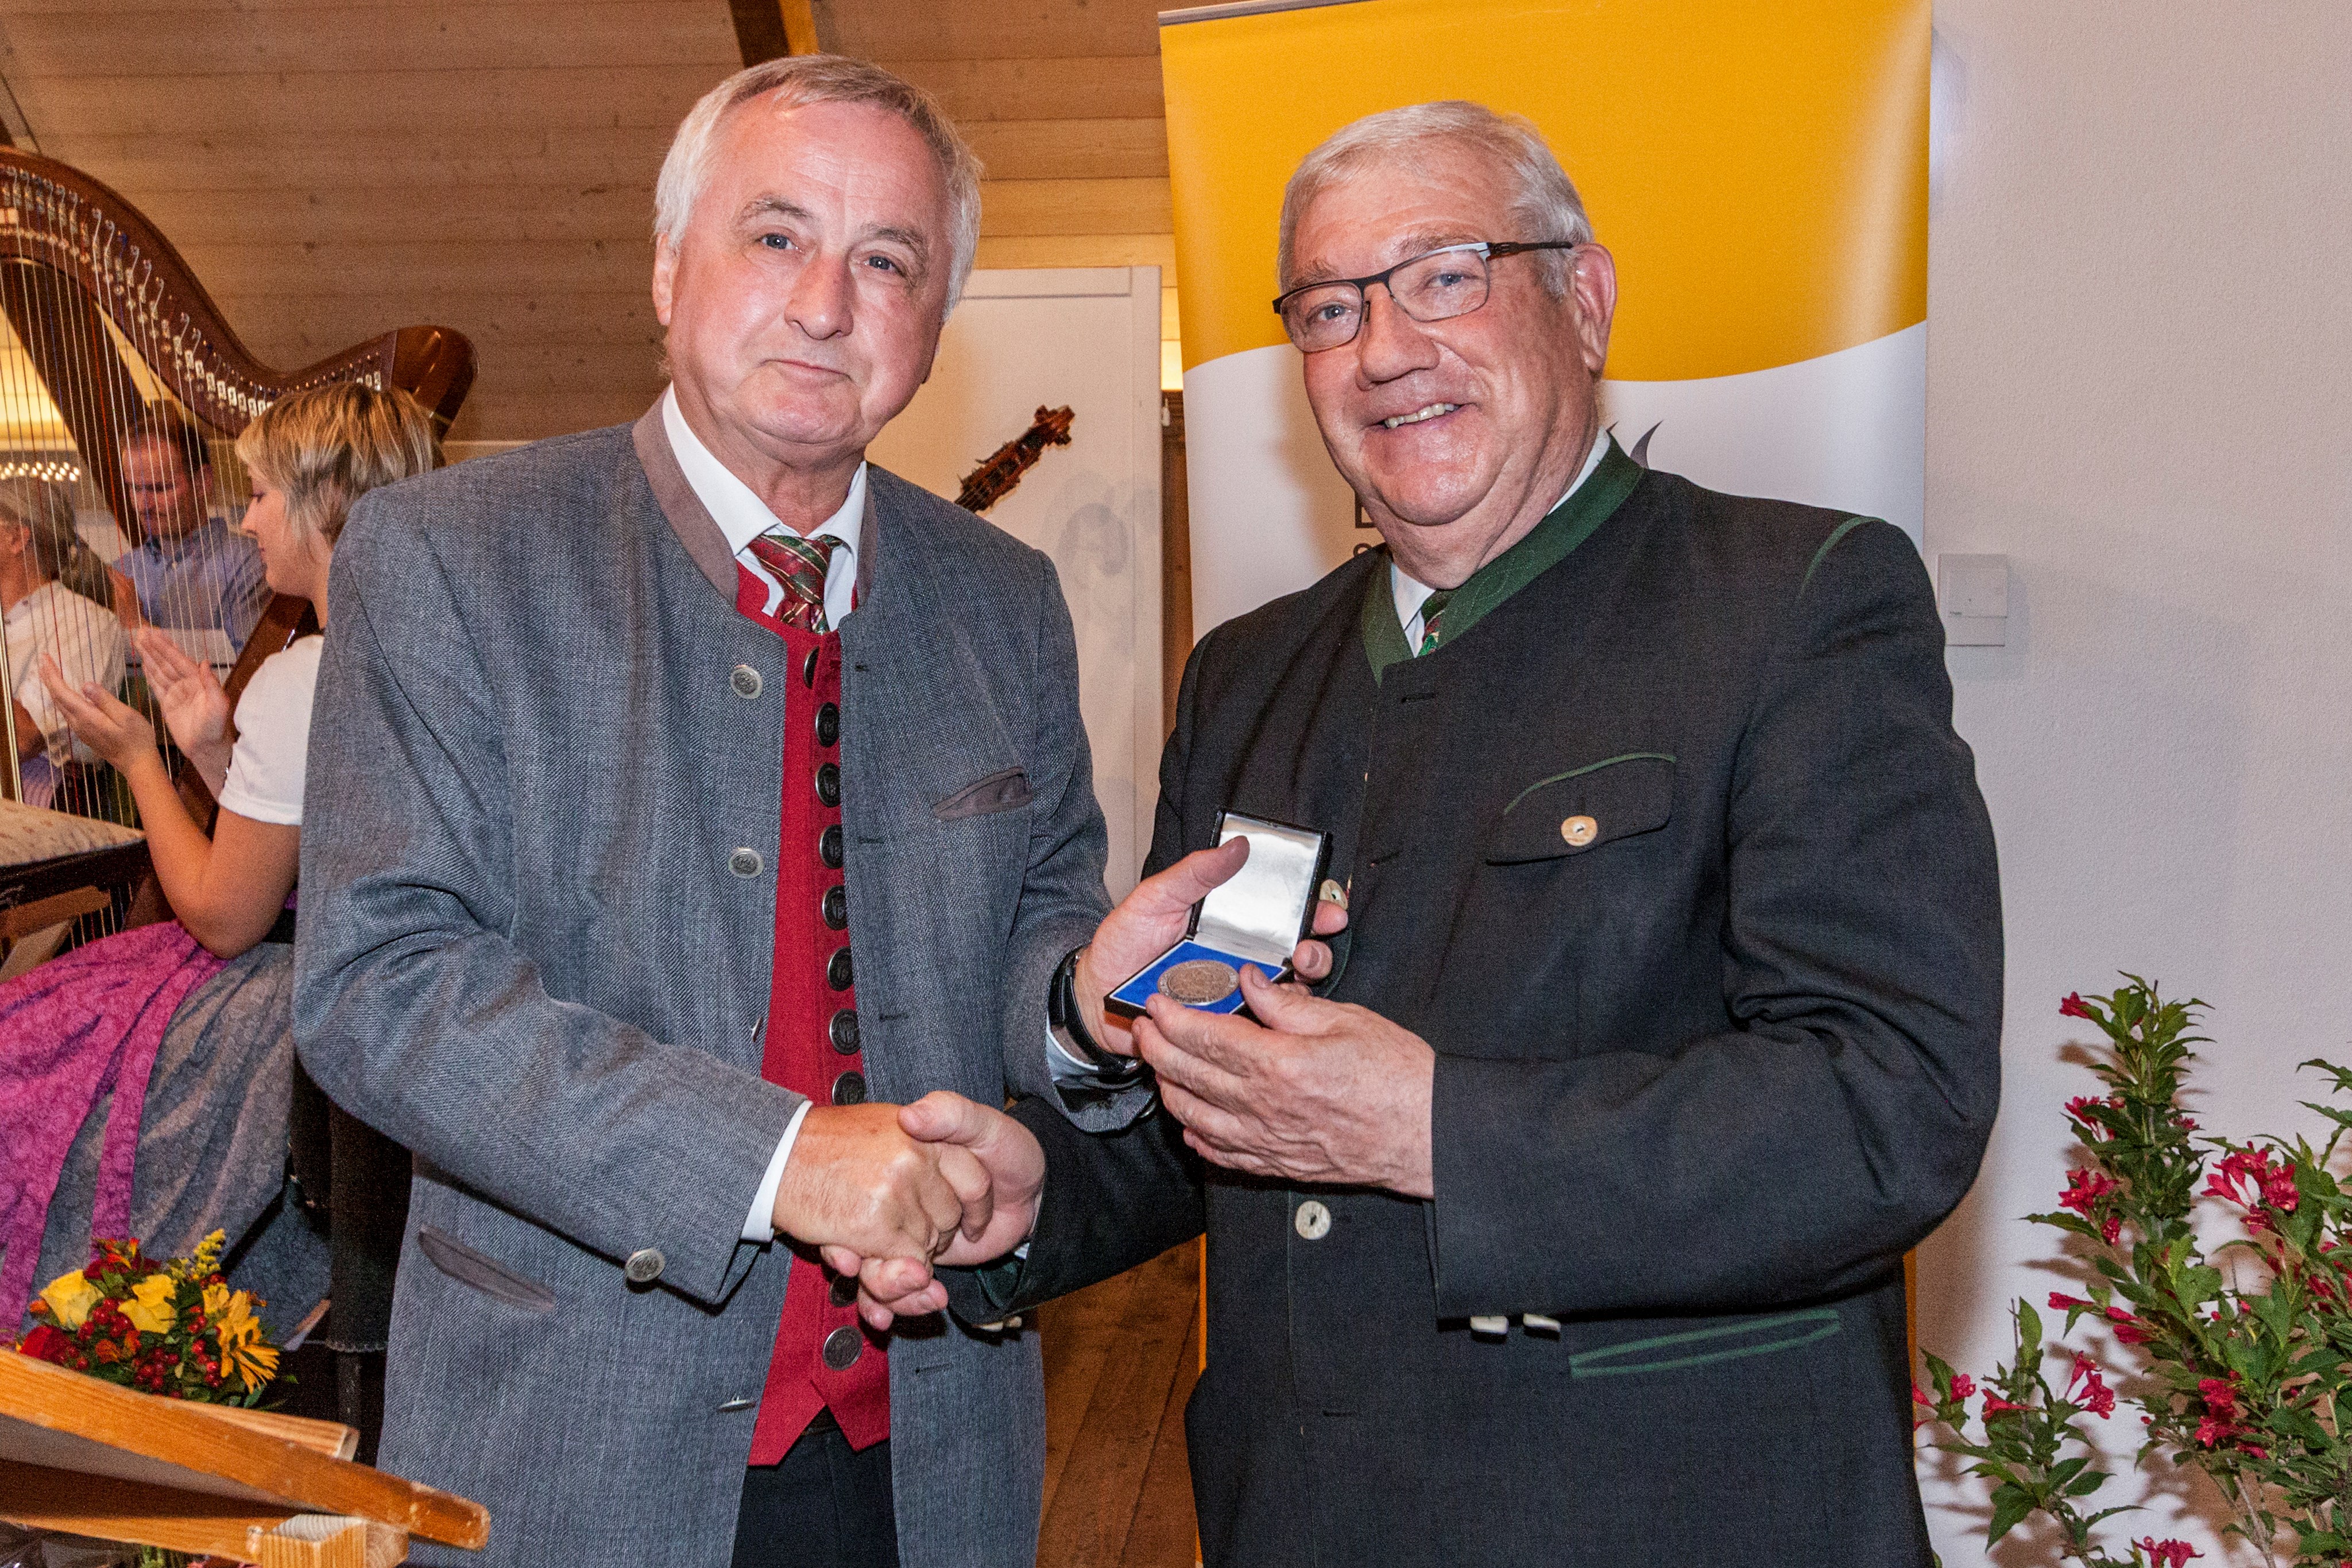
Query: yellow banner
{"type": "Point", "coordinates": [1758, 170]}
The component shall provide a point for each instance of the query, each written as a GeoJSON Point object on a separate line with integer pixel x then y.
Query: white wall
{"type": "Point", "coordinates": [1088, 337]}
{"type": "Point", "coordinates": [2140, 390]}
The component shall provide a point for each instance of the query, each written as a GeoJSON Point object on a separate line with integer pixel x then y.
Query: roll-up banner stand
{"type": "Point", "coordinates": [1759, 171]}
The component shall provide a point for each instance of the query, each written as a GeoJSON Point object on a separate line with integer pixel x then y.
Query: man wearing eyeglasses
{"type": "Point", "coordinates": [1558, 1217]}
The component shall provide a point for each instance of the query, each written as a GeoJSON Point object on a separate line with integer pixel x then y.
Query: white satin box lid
{"type": "Point", "coordinates": [1258, 914]}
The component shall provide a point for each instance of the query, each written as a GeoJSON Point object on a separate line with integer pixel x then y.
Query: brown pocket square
{"type": "Point", "coordinates": [1002, 790]}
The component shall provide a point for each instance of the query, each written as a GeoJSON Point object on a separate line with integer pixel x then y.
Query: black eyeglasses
{"type": "Point", "coordinates": [1434, 285]}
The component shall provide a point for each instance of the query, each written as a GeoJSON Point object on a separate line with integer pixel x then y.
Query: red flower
{"type": "Point", "coordinates": [2094, 1396]}
{"type": "Point", "coordinates": [2220, 1395]}
{"type": "Point", "coordinates": [1994, 1405]}
{"type": "Point", "coordinates": [2247, 1177]}
{"type": "Point", "coordinates": [2079, 1107]}
{"type": "Point", "coordinates": [2212, 1432]}
{"type": "Point", "coordinates": [2084, 1189]}
{"type": "Point", "coordinates": [2072, 1007]}
{"type": "Point", "coordinates": [2165, 1554]}
{"type": "Point", "coordinates": [2061, 1301]}
{"type": "Point", "coordinates": [45, 1343]}
{"type": "Point", "coordinates": [1963, 1387]}
{"type": "Point", "coordinates": [2129, 1329]}
{"type": "Point", "coordinates": [2110, 1228]}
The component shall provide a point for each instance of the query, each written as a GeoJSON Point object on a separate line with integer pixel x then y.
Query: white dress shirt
{"type": "Point", "coordinates": [1411, 595]}
{"type": "Point", "coordinates": [742, 517]}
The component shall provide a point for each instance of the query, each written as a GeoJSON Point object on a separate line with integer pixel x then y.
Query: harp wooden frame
{"type": "Point", "coordinates": [74, 254]}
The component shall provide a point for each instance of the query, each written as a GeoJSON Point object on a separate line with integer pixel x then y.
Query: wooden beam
{"type": "Point", "coordinates": [51, 1418]}
{"type": "Point", "coordinates": [759, 30]}
{"type": "Point", "coordinates": [144, 1515]}
{"type": "Point", "coordinates": [770, 29]}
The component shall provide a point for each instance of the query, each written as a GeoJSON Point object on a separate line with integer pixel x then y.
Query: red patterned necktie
{"type": "Point", "coordinates": [799, 565]}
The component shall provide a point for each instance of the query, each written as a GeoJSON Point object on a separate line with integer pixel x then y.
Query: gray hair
{"type": "Point", "coordinates": [824, 78]}
{"type": "Point", "coordinates": [1544, 200]}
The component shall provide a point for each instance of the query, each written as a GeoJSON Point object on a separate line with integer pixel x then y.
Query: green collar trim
{"type": "Point", "coordinates": [1563, 529]}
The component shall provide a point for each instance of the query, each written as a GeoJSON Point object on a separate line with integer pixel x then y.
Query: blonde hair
{"type": "Point", "coordinates": [46, 511]}
{"type": "Point", "coordinates": [327, 446]}
{"type": "Point", "coordinates": [804, 79]}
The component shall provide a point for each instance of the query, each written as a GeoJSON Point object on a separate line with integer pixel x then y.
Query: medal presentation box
{"type": "Point", "coordinates": [1256, 918]}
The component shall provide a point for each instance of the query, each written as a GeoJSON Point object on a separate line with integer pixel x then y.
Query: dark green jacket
{"type": "Point", "coordinates": [1707, 1068]}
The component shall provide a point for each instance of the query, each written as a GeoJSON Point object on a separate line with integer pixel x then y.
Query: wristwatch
{"type": "Point", "coordinates": [1062, 1012]}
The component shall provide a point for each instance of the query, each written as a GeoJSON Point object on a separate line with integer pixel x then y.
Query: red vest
{"type": "Point", "coordinates": [825, 1358]}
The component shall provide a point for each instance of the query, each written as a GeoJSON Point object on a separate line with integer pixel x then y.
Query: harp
{"type": "Point", "coordinates": [110, 340]}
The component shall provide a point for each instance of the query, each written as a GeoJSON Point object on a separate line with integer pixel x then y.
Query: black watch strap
{"type": "Point", "coordinates": [1062, 1008]}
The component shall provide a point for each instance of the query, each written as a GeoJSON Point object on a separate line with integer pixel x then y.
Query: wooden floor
{"type": "Point", "coordinates": [1121, 1359]}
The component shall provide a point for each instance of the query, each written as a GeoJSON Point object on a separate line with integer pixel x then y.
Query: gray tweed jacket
{"type": "Point", "coordinates": [524, 955]}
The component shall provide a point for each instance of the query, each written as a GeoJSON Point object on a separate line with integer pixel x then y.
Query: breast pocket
{"type": "Point", "coordinates": [1580, 810]}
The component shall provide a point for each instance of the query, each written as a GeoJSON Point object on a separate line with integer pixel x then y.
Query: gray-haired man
{"type": "Point", "coordinates": [1565, 1227]}
{"type": "Point", "coordinates": [627, 736]}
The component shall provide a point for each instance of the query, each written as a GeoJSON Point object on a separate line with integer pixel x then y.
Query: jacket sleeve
{"type": "Point", "coordinates": [1112, 1200]}
{"type": "Point", "coordinates": [1843, 1111]}
{"type": "Point", "coordinates": [1062, 893]}
{"type": "Point", "coordinates": [414, 1010]}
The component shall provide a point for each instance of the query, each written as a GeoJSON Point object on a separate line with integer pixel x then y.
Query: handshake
{"type": "Point", "coordinates": [1308, 1091]}
{"type": "Point", "coordinates": [885, 1192]}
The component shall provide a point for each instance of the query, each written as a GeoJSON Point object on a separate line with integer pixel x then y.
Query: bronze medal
{"type": "Point", "coordinates": [1199, 982]}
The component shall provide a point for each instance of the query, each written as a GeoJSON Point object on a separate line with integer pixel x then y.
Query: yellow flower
{"type": "Point", "coordinates": [71, 1298]}
{"type": "Point", "coordinates": [216, 1301]}
{"type": "Point", "coordinates": [150, 1309]}
{"type": "Point", "coordinates": [242, 1352]}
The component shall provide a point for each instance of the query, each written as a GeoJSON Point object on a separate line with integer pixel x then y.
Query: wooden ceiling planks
{"type": "Point", "coordinates": [333, 168]}
{"type": "Point", "coordinates": [1061, 101]}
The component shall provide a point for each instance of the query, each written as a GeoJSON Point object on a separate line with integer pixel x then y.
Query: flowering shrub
{"type": "Point", "coordinates": [2242, 1377]}
{"type": "Point", "coordinates": [172, 1328]}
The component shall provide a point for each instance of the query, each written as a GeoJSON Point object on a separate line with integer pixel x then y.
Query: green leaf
{"type": "Point", "coordinates": [2010, 1504]}
{"type": "Point", "coordinates": [2084, 1485]}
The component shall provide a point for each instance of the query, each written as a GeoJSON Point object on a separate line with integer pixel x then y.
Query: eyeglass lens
{"type": "Point", "coordinates": [1432, 287]}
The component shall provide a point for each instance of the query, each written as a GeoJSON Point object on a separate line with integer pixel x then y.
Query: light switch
{"type": "Point", "coordinates": [1972, 592]}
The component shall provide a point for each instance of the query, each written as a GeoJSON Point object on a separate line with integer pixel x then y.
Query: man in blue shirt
{"type": "Point", "coordinates": [192, 570]}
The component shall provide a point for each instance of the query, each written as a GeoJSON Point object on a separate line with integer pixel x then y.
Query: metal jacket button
{"type": "Point", "coordinates": [828, 784]}
{"type": "Point", "coordinates": [645, 1266]}
{"type": "Point", "coordinates": [850, 1089]}
{"type": "Point", "coordinates": [843, 1347]}
{"type": "Point", "coordinates": [845, 1291]}
{"type": "Point", "coordinates": [843, 1031]}
{"type": "Point", "coordinates": [835, 907]}
{"type": "Point", "coordinates": [837, 970]}
{"type": "Point", "coordinates": [745, 862]}
{"type": "Point", "coordinates": [828, 847]}
{"type": "Point", "coordinates": [1579, 832]}
{"type": "Point", "coordinates": [828, 724]}
{"type": "Point", "coordinates": [808, 669]}
{"type": "Point", "coordinates": [745, 680]}
{"type": "Point", "coordinates": [1313, 1221]}
{"type": "Point", "coordinates": [727, 1408]}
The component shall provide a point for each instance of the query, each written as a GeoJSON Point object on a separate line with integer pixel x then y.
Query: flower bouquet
{"type": "Point", "coordinates": [2237, 1363]}
{"type": "Point", "coordinates": [172, 1328]}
